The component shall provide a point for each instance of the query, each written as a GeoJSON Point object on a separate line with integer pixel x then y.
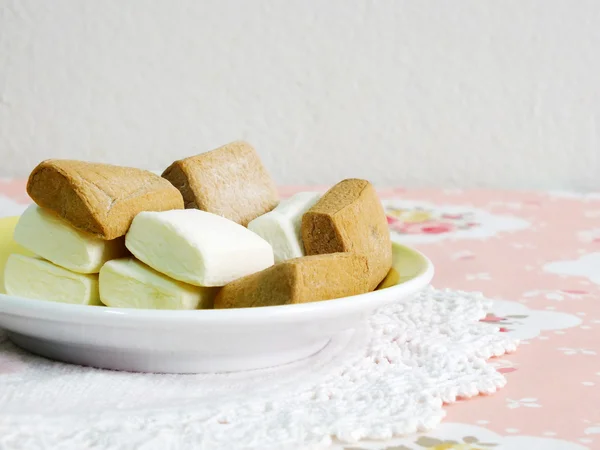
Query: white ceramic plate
{"type": "Point", "coordinates": [195, 341]}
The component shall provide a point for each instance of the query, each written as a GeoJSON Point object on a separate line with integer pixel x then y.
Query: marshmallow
{"type": "Point", "coordinates": [281, 226]}
{"type": "Point", "coordinates": [128, 283]}
{"type": "Point", "coordinates": [100, 199]}
{"type": "Point", "coordinates": [230, 181]}
{"type": "Point", "coordinates": [33, 277]}
{"type": "Point", "coordinates": [8, 246]}
{"type": "Point", "coordinates": [299, 280]}
{"type": "Point", "coordinates": [47, 235]}
{"type": "Point", "coordinates": [197, 247]}
{"type": "Point", "coordinates": [349, 217]}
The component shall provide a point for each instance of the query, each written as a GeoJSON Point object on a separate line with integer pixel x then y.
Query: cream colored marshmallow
{"type": "Point", "coordinates": [47, 235]}
{"type": "Point", "coordinates": [33, 277]}
{"type": "Point", "coordinates": [281, 226]}
{"type": "Point", "coordinates": [197, 247]}
{"type": "Point", "coordinates": [128, 283]}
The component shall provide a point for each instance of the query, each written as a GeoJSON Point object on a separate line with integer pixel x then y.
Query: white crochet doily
{"type": "Point", "coordinates": [390, 377]}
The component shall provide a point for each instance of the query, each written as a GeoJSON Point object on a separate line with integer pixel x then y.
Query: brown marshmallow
{"type": "Point", "coordinates": [100, 199]}
{"type": "Point", "coordinates": [299, 280]}
{"type": "Point", "coordinates": [230, 181]}
{"type": "Point", "coordinates": [350, 218]}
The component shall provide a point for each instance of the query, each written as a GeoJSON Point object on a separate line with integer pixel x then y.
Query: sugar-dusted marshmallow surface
{"type": "Point", "coordinates": [281, 227]}
{"type": "Point", "coordinates": [128, 283]}
{"type": "Point", "coordinates": [197, 247]}
{"type": "Point", "coordinates": [32, 277]}
{"type": "Point", "coordinates": [47, 235]}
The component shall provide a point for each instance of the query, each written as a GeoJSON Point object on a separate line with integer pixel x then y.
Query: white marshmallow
{"type": "Point", "coordinates": [47, 235]}
{"type": "Point", "coordinates": [281, 226]}
{"type": "Point", "coordinates": [128, 283]}
{"type": "Point", "coordinates": [33, 277]}
{"type": "Point", "coordinates": [197, 247]}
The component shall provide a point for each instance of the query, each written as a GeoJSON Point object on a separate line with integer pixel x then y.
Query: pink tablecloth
{"type": "Point", "coordinates": [538, 256]}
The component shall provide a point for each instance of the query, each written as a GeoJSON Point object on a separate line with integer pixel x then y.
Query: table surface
{"type": "Point", "coordinates": [538, 256]}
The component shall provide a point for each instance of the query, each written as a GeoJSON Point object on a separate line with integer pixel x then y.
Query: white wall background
{"type": "Point", "coordinates": [419, 93]}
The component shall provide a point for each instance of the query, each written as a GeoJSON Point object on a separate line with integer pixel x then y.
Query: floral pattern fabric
{"type": "Point", "coordinates": [538, 256]}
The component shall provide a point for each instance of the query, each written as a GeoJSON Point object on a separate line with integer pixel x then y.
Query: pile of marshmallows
{"type": "Point", "coordinates": [210, 232]}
